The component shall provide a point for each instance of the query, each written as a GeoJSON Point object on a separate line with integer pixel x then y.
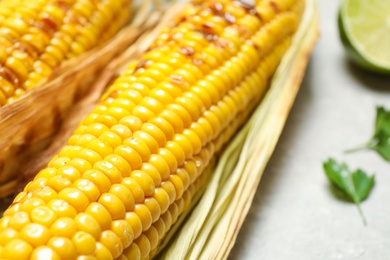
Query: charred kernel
{"type": "Point", "coordinates": [135, 189]}
{"type": "Point", "coordinates": [113, 204]}
{"type": "Point", "coordinates": [124, 194]}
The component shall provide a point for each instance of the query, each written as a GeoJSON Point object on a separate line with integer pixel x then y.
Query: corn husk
{"type": "Point", "coordinates": [28, 125]}
{"type": "Point", "coordinates": [211, 229]}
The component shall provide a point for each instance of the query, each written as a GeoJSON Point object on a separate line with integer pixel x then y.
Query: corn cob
{"type": "Point", "coordinates": [136, 161]}
{"type": "Point", "coordinates": [37, 36]}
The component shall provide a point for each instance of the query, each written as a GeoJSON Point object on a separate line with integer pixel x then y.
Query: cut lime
{"type": "Point", "coordinates": [364, 27]}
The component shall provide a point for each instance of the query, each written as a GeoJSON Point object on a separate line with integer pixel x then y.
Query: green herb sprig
{"type": "Point", "coordinates": [355, 185]}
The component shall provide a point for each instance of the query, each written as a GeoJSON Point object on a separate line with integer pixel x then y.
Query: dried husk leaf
{"type": "Point", "coordinates": [212, 228]}
{"type": "Point", "coordinates": [28, 125]}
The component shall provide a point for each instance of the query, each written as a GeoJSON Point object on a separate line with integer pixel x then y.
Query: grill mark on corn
{"type": "Point", "coordinates": [187, 51]}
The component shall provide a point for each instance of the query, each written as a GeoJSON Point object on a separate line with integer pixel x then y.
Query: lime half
{"type": "Point", "coordinates": [364, 27]}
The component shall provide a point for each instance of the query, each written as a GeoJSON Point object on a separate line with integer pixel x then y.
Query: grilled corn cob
{"type": "Point", "coordinates": [134, 164]}
{"type": "Point", "coordinates": [37, 36]}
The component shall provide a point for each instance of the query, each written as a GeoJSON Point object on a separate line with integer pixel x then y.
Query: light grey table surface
{"type": "Point", "coordinates": [294, 214]}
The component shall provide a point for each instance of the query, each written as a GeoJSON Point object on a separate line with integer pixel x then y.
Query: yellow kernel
{"type": "Point", "coordinates": [145, 181]}
{"type": "Point", "coordinates": [84, 243]}
{"type": "Point", "coordinates": [124, 231]}
{"type": "Point", "coordinates": [135, 223]}
{"type": "Point", "coordinates": [43, 215]}
{"type": "Point", "coordinates": [70, 172]}
{"type": "Point", "coordinates": [132, 122]}
{"type": "Point", "coordinates": [90, 155]}
{"type": "Point", "coordinates": [135, 189]}
{"type": "Point", "coordinates": [154, 208]}
{"type": "Point", "coordinates": [161, 95]}
{"type": "Point", "coordinates": [35, 234]}
{"type": "Point", "coordinates": [111, 138]}
{"type": "Point", "coordinates": [80, 164]}
{"type": "Point", "coordinates": [162, 198]}
{"type": "Point", "coordinates": [88, 188]}
{"type": "Point", "coordinates": [47, 173]}
{"type": "Point", "coordinates": [74, 197]}
{"type": "Point", "coordinates": [159, 225]}
{"type": "Point", "coordinates": [170, 189]}
{"type": "Point", "coordinates": [102, 252]}
{"type": "Point", "coordinates": [179, 187]}
{"type": "Point", "coordinates": [16, 249]}
{"type": "Point", "coordinates": [59, 162]}
{"type": "Point", "coordinates": [145, 216]}
{"type": "Point", "coordinates": [44, 252]}
{"type": "Point", "coordinates": [118, 112]}
{"type": "Point", "coordinates": [155, 132]}
{"type": "Point", "coordinates": [45, 193]}
{"type": "Point", "coordinates": [143, 113]}
{"type": "Point", "coordinates": [85, 139]}
{"type": "Point", "coordinates": [164, 126]}
{"type": "Point", "coordinates": [144, 245]}
{"type": "Point", "coordinates": [88, 224]}
{"type": "Point", "coordinates": [100, 214]}
{"type": "Point", "coordinates": [101, 181]}
{"type": "Point", "coordinates": [182, 113]}
{"type": "Point", "coordinates": [63, 247]}
{"type": "Point", "coordinates": [124, 194]}
{"type": "Point", "coordinates": [139, 146]}
{"type": "Point", "coordinates": [17, 66]}
{"type": "Point", "coordinates": [113, 204]}
{"type": "Point", "coordinates": [169, 158]}
{"type": "Point", "coordinates": [130, 155]}
{"type": "Point", "coordinates": [64, 227]}
{"type": "Point", "coordinates": [7, 234]}
{"type": "Point", "coordinates": [152, 172]}
{"type": "Point", "coordinates": [177, 151]}
{"type": "Point", "coordinates": [102, 148]}
{"type": "Point", "coordinates": [18, 220]}
{"type": "Point", "coordinates": [59, 183]}
{"type": "Point", "coordinates": [122, 131]}
{"type": "Point", "coordinates": [167, 218]}
{"type": "Point", "coordinates": [194, 139]}
{"type": "Point", "coordinates": [148, 140]}
{"type": "Point", "coordinates": [185, 144]}
{"type": "Point", "coordinates": [110, 240]}
{"type": "Point", "coordinates": [30, 203]}
{"type": "Point", "coordinates": [173, 119]}
{"type": "Point", "coordinates": [208, 129]}
{"type": "Point", "coordinates": [174, 211]}
{"type": "Point", "coordinates": [120, 163]}
{"type": "Point", "coordinates": [189, 105]}
{"type": "Point", "coordinates": [133, 252]}
{"type": "Point", "coordinates": [109, 170]}
{"type": "Point", "coordinates": [153, 237]}
{"type": "Point", "coordinates": [184, 176]}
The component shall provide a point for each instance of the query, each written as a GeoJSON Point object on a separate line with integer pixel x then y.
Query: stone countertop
{"type": "Point", "coordinates": [294, 213]}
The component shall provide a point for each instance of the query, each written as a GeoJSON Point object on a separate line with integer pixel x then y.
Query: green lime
{"type": "Point", "coordinates": [364, 27]}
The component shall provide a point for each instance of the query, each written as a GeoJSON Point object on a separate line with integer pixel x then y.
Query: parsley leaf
{"type": "Point", "coordinates": [356, 185]}
{"type": "Point", "coordinates": [380, 141]}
